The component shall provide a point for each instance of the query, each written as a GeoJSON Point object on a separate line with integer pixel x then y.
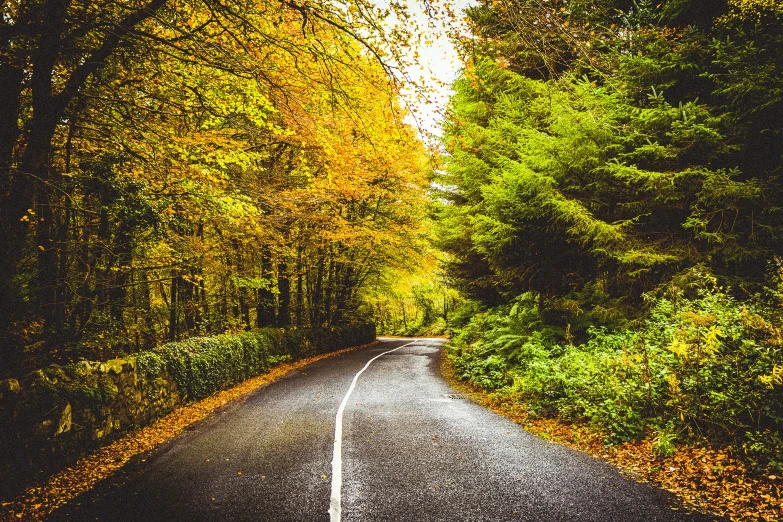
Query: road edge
{"type": "Point", "coordinates": [40, 500]}
{"type": "Point", "coordinates": [516, 414]}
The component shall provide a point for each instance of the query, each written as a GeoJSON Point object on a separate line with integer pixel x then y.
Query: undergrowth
{"type": "Point", "coordinates": [701, 366]}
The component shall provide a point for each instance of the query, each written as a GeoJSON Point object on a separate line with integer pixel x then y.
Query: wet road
{"type": "Point", "coordinates": [411, 450]}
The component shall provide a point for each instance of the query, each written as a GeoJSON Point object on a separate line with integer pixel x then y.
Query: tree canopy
{"type": "Point", "coordinates": [179, 168]}
{"type": "Point", "coordinates": [614, 146]}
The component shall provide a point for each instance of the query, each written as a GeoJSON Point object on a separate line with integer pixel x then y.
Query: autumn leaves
{"type": "Point", "coordinates": [217, 166]}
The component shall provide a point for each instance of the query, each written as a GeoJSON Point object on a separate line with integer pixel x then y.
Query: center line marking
{"type": "Point", "coordinates": [335, 503]}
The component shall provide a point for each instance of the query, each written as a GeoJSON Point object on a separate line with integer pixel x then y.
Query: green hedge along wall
{"type": "Point", "coordinates": [203, 365]}
{"type": "Point", "coordinates": [52, 417]}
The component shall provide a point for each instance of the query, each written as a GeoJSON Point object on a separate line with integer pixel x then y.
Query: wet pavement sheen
{"type": "Point", "coordinates": [413, 450]}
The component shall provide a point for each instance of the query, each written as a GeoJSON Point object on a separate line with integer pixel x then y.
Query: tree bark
{"type": "Point", "coordinates": [299, 289]}
{"type": "Point", "coordinates": [173, 305]}
{"type": "Point", "coordinates": [284, 295]}
{"type": "Point", "coordinates": [318, 291]}
{"type": "Point", "coordinates": [265, 304]}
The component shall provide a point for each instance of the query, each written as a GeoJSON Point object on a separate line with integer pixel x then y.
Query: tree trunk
{"type": "Point", "coordinates": [265, 304]}
{"type": "Point", "coordinates": [12, 231]}
{"type": "Point", "coordinates": [173, 305]}
{"type": "Point", "coordinates": [49, 302]}
{"type": "Point", "coordinates": [318, 291]}
{"type": "Point", "coordinates": [118, 291]}
{"type": "Point", "coordinates": [187, 293]}
{"type": "Point", "coordinates": [284, 295]}
{"type": "Point", "coordinates": [330, 290]}
{"type": "Point", "coordinates": [299, 293]}
{"type": "Point", "coordinates": [148, 328]}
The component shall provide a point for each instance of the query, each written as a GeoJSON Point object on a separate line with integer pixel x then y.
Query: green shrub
{"type": "Point", "coordinates": [202, 366]}
{"type": "Point", "coordinates": [663, 444]}
{"type": "Point", "coordinates": [703, 366]}
{"type": "Point", "coordinates": [151, 364]}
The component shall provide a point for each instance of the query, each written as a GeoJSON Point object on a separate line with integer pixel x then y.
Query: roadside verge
{"type": "Point", "coordinates": [39, 500]}
{"type": "Point", "coordinates": [705, 479]}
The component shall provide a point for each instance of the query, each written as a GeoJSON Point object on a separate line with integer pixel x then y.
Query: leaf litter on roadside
{"type": "Point", "coordinates": [706, 479]}
{"type": "Point", "coordinates": [40, 500]}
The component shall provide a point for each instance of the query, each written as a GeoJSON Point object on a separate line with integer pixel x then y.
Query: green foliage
{"type": "Point", "coordinates": [764, 449]}
{"type": "Point", "coordinates": [663, 444]}
{"type": "Point", "coordinates": [202, 366]}
{"type": "Point", "coordinates": [700, 366]}
{"type": "Point", "coordinates": [657, 152]}
{"type": "Point", "coordinates": [627, 189]}
{"type": "Point", "coordinates": [150, 364]}
{"type": "Point", "coordinates": [412, 302]}
{"type": "Point", "coordinates": [556, 184]}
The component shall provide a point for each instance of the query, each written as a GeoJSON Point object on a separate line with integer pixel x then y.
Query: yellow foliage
{"type": "Point", "coordinates": [711, 341]}
{"type": "Point", "coordinates": [700, 319]}
{"type": "Point", "coordinates": [674, 384]}
{"type": "Point", "coordinates": [774, 378]}
{"type": "Point", "coordinates": [679, 348]}
{"type": "Point", "coordinates": [752, 11]}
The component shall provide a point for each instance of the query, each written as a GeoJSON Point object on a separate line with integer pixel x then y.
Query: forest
{"type": "Point", "coordinates": [172, 169]}
{"type": "Point", "coordinates": [599, 230]}
{"type": "Point", "coordinates": [611, 202]}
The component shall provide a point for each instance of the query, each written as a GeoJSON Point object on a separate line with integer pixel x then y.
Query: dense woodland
{"type": "Point", "coordinates": [605, 217]}
{"type": "Point", "coordinates": [175, 168]}
{"type": "Point", "coordinates": [612, 204]}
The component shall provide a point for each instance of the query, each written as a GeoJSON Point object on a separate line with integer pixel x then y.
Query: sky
{"type": "Point", "coordinates": [441, 63]}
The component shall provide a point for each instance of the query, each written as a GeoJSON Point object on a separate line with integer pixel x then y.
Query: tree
{"type": "Point", "coordinates": [617, 163]}
{"type": "Point", "coordinates": [171, 165]}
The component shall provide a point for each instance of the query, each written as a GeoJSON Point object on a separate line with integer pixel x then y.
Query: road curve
{"type": "Point", "coordinates": [411, 450]}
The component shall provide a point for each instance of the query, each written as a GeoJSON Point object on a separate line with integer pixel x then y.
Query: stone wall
{"type": "Point", "coordinates": [52, 417]}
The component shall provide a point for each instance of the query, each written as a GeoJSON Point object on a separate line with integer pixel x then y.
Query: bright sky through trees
{"type": "Point", "coordinates": [437, 63]}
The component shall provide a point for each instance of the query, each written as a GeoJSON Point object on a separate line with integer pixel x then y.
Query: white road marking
{"type": "Point", "coordinates": [335, 503]}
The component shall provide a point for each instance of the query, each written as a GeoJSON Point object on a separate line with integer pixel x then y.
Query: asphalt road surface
{"type": "Point", "coordinates": [411, 450]}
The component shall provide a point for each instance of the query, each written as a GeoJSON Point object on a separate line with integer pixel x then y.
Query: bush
{"type": "Point", "coordinates": [202, 366]}
{"type": "Point", "coordinates": [704, 367]}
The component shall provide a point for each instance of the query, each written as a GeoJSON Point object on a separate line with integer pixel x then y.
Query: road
{"type": "Point", "coordinates": [410, 450]}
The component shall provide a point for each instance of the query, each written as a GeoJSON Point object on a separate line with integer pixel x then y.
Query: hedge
{"type": "Point", "coordinates": [55, 415]}
{"type": "Point", "coordinates": [202, 366]}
